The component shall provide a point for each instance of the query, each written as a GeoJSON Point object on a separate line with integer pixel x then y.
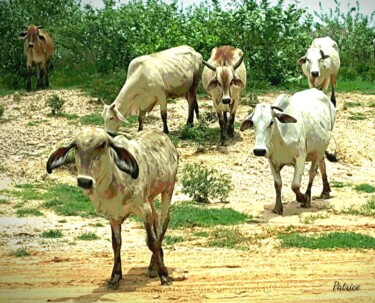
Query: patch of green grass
{"type": "Point", "coordinates": [24, 212]}
{"type": "Point", "coordinates": [237, 125]}
{"type": "Point", "coordinates": [52, 234]}
{"type": "Point", "coordinates": [372, 104]}
{"type": "Point", "coordinates": [36, 122]}
{"type": "Point", "coordinates": [4, 201]}
{"type": "Point", "coordinates": [357, 116]}
{"type": "Point", "coordinates": [346, 240]}
{"type": "Point", "coordinates": [88, 237]}
{"type": "Point", "coordinates": [365, 188]}
{"type": "Point", "coordinates": [70, 116]}
{"type": "Point", "coordinates": [2, 168]}
{"type": "Point", "coordinates": [312, 218]}
{"type": "Point", "coordinates": [348, 104]}
{"type": "Point", "coordinates": [228, 238]}
{"type": "Point", "coordinates": [68, 200]}
{"type": "Point", "coordinates": [203, 234]}
{"type": "Point", "coordinates": [21, 252]}
{"type": "Point", "coordinates": [339, 184]}
{"type": "Point", "coordinates": [98, 224]}
{"type": "Point", "coordinates": [170, 240]}
{"type": "Point", "coordinates": [189, 215]}
{"type": "Point", "coordinates": [367, 210]}
{"type": "Point", "coordinates": [63, 221]}
{"type": "Point", "coordinates": [365, 87]}
{"type": "Point", "coordinates": [130, 121]}
{"type": "Point", "coordinates": [200, 133]}
{"type": "Point", "coordinates": [92, 119]}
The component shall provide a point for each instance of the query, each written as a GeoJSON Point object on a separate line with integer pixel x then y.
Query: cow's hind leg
{"type": "Point", "coordinates": [191, 97]}
{"type": "Point", "coordinates": [141, 118]}
{"type": "Point", "coordinates": [222, 124]}
{"type": "Point", "coordinates": [46, 68]}
{"type": "Point", "coordinates": [163, 113]}
{"type": "Point", "coordinates": [333, 86]}
{"type": "Point", "coordinates": [116, 245]}
{"type": "Point", "coordinates": [312, 173]}
{"type": "Point", "coordinates": [39, 74]}
{"type": "Point", "coordinates": [326, 187]}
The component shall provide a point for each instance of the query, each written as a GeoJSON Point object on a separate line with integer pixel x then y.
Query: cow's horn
{"type": "Point", "coordinates": [39, 26]}
{"type": "Point", "coordinates": [209, 66]}
{"type": "Point", "coordinates": [278, 108]}
{"type": "Point", "coordinates": [238, 62]}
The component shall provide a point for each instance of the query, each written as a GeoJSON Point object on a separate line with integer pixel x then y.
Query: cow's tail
{"type": "Point", "coordinates": [331, 157]}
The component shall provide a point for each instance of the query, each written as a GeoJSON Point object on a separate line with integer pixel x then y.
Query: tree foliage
{"type": "Point", "coordinates": [92, 43]}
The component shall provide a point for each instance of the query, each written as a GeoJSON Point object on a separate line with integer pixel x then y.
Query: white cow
{"type": "Point", "coordinates": [121, 177]}
{"type": "Point", "coordinates": [224, 79]}
{"type": "Point", "coordinates": [321, 64]}
{"type": "Point", "coordinates": [151, 79]}
{"type": "Point", "coordinates": [294, 130]}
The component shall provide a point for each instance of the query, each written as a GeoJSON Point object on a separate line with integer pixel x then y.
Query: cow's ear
{"type": "Point", "coordinates": [213, 83]}
{"type": "Point", "coordinates": [285, 118]}
{"type": "Point", "coordinates": [302, 60]}
{"type": "Point", "coordinates": [124, 160]}
{"type": "Point", "coordinates": [22, 35]}
{"type": "Point", "coordinates": [247, 123]}
{"type": "Point", "coordinates": [42, 37]}
{"type": "Point", "coordinates": [238, 82]}
{"type": "Point", "coordinates": [58, 157]}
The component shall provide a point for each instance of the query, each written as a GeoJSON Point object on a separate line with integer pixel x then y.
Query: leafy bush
{"type": "Point", "coordinates": [202, 183]}
{"type": "Point", "coordinates": [56, 104]}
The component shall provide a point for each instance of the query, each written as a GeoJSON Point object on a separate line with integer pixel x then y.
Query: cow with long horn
{"type": "Point", "coordinates": [38, 48]}
{"type": "Point", "coordinates": [224, 79]}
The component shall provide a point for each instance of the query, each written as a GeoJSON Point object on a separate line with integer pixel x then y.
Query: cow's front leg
{"type": "Point", "coordinates": [296, 184]}
{"type": "Point", "coordinates": [39, 75]}
{"type": "Point", "coordinates": [116, 245]}
{"type": "Point", "coordinates": [28, 82]}
{"type": "Point", "coordinates": [222, 127]}
{"type": "Point", "coordinates": [163, 112]}
{"type": "Point", "coordinates": [278, 185]}
{"type": "Point", "coordinates": [141, 118]}
{"type": "Point", "coordinates": [230, 127]}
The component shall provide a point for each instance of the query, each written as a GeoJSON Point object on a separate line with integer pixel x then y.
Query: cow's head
{"type": "Point", "coordinates": [263, 120]}
{"type": "Point", "coordinates": [32, 34]}
{"type": "Point", "coordinates": [224, 80]}
{"type": "Point", "coordinates": [313, 61]}
{"type": "Point", "coordinates": [95, 153]}
{"type": "Point", "coordinates": [112, 118]}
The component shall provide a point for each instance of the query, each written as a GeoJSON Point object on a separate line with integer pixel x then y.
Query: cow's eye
{"type": "Point", "coordinates": [111, 118]}
{"type": "Point", "coordinates": [101, 146]}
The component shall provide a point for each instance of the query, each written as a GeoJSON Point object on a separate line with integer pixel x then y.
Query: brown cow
{"type": "Point", "coordinates": [38, 49]}
{"type": "Point", "coordinates": [224, 78]}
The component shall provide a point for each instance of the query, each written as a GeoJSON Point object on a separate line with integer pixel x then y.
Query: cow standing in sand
{"type": "Point", "coordinates": [291, 131]}
{"type": "Point", "coordinates": [321, 65]}
{"type": "Point", "coordinates": [151, 80]}
{"type": "Point", "coordinates": [224, 78]}
{"type": "Point", "coordinates": [38, 48]}
{"type": "Point", "coordinates": [121, 177]}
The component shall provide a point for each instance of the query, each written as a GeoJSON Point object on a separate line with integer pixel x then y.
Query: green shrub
{"type": "Point", "coordinates": [366, 188]}
{"type": "Point", "coordinates": [202, 183]}
{"type": "Point", "coordinates": [52, 233]}
{"type": "Point", "coordinates": [88, 237]}
{"type": "Point", "coordinates": [56, 104]}
{"type": "Point", "coordinates": [21, 252]}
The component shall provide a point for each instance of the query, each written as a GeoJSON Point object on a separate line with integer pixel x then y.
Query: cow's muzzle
{"type": "Point", "coordinates": [85, 182]}
{"type": "Point", "coordinates": [226, 100]}
{"type": "Point", "coordinates": [315, 74]}
{"type": "Point", "coordinates": [259, 152]}
{"type": "Point", "coordinates": [31, 45]}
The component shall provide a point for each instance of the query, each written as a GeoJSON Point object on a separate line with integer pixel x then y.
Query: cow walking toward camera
{"type": "Point", "coordinates": [321, 65]}
{"type": "Point", "coordinates": [151, 80]}
{"type": "Point", "coordinates": [291, 131]}
{"type": "Point", "coordinates": [38, 48]}
{"type": "Point", "coordinates": [224, 79]}
{"type": "Point", "coordinates": [121, 177]}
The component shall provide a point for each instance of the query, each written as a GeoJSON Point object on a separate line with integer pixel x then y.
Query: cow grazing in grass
{"type": "Point", "coordinates": [291, 131]}
{"type": "Point", "coordinates": [151, 80]}
{"type": "Point", "coordinates": [38, 48]}
{"type": "Point", "coordinates": [321, 64]}
{"type": "Point", "coordinates": [224, 78]}
{"type": "Point", "coordinates": [121, 177]}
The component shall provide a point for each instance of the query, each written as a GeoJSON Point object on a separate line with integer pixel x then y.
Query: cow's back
{"type": "Point", "coordinates": [325, 43]}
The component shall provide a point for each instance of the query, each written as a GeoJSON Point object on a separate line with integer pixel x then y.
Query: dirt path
{"type": "Point", "coordinates": [76, 271]}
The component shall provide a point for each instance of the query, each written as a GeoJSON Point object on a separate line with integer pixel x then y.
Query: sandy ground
{"type": "Point", "coordinates": [65, 270]}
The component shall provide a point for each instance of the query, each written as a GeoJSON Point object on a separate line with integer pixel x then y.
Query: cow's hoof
{"type": "Point", "coordinates": [324, 195]}
{"type": "Point", "coordinates": [277, 211]}
{"type": "Point", "coordinates": [165, 280]}
{"type": "Point", "coordinates": [307, 202]}
{"type": "Point", "coordinates": [114, 282]}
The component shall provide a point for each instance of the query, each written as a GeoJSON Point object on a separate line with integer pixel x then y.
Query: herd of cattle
{"type": "Point", "coordinates": [122, 176]}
